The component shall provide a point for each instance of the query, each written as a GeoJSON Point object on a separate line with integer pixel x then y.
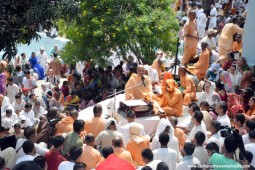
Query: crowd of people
{"type": "Point", "coordinates": [50, 135]}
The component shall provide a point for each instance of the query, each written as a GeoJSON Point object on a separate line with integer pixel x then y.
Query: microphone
{"type": "Point", "coordinates": [143, 81]}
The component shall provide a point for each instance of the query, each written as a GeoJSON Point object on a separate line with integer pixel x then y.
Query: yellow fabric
{"type": "Point", "coordinates": [236, 46]}
{"type": "Point", "coordinates": [190, 43]}
{"type": "Point", "coordinates": [95, 125]}
{"type": "Point", "coordinates": [226, 38]}
{"type": "Point", "coordinates": [122, 154]}
{"type": "Point", "coordinates": [200, 68]}
{"type": "Point", "coordinates": [90, 156]}
{"type": "Point", "coordinates": [73, 101]}
{"type": "Point", "coordinates": [65, 125]}
{"type": "Point", "coordinates": [156, 66]}
{"type": "Point", "coordinates": [171, 101]}
{"type": "Point", "coordinates": [140, 91]}
{"type": "Point", "coordinates": [136, 149]}
{"type": "Point", "coordinates": [190, 89]}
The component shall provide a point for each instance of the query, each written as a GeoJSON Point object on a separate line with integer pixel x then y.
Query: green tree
{"type": "Point", "coordinates": [20, 19]}
{"type": "Point", "coordinates": [107, 26]}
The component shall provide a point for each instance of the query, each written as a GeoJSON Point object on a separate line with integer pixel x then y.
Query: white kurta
{"type": "Point", "coordinates": [11, 91]}
{"type": "Point", "coordinates": [195, 129]}
{"type": "Point", "coordinates": [224, 120]}
{"type": "Point", "coordinates": [167, 155]}
{"type": "Point", "coordinates": [30, 115]}
{"type": "Point", "coordinates": [213, 18]}
{"type": "Point", "coordinates": [186, 162]}
{"type": "Point", "coordinates": [201, 154]}
{"type": "Point", "coordinates": [251, 147]}
{"type": "Point", "coordinates": [41, 59]}
{"type": "Point", "coordinates": [201, 24]}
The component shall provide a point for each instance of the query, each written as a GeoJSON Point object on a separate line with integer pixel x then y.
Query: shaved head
{"type": "Point", "coordinates": [117, 142]}
{"type": "Point", "coordinates": [89, 138]}
{"type": "Point", "coordinates": [182, 71]}
{"type": "Point", "coordinates": [140, 70]}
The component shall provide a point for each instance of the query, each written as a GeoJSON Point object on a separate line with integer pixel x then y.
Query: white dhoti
{"type": "Point", "coordinates": [201, 32]}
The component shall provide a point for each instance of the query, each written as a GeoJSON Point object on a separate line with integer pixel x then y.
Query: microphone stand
{"type": "Point", "coordinates": [115, 94]}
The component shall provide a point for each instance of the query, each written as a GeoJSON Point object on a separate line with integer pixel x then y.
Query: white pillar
{"type": "Point", "coordinates": [249, 35]}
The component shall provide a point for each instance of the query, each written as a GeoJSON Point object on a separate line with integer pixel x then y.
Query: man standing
{"type": "Point", "coordinates": [42, 58]}
{"type": "Point", "coordinates": [226, 37]}
{"type": "Point", "coordinates": [200, 152]}
{"type": "Point", "coordinates": [55, 65]}
{"type": "Point", "coordinates": [201, 24]}
{"type": "Point", "coordinates": [212, 17]}
{"type": "Point", "coordinates": [165, 154]}
{"type": "Point", "coordinates": [190, 38]}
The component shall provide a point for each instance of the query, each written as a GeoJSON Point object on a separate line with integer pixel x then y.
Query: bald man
{"type": "Point", "coordinates": [178, 132]}
{"type": "Point", "coordinates": [90, 156]}
{"type": "Point", "coordinates": [190, 38]}
{"type": "Point", "coordinates": [188, 86]}
{"type": "Point", "coordinates": [66, 124]}
{"type": "Point", "coordinates": [141, 90]}
{"type": "Point", "coordinates": [120, 152]}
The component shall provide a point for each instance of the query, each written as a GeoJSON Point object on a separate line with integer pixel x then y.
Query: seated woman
{"type": "Point", "coordinates": [235, 76]}
{"type": "Point", "coordinates": [211, 96]}
{"type": "Point", "coordinates": [213, 72]}
{"type": "Point", "coordinates": [72, 100]}
{"type": "Point", "coordinates": [199, 69]}
{"type": "Point", "coordinates": [225, 79]}
{"type": "Point", "coordinates": [35, 66]}
{"type": "Point", "coordinates": [246, 80]}
{"type": "Point", "coordinates": [250, 114]}
{"type": "Point", "coordinates": [242, 64]}
{"type": "Point", "coordinates": [171, 101]}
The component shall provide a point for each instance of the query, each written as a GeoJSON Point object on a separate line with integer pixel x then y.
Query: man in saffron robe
{"type": "Point", "coordinates": [200, 68]}
{"type": "Point", "coordinates": [66, 124]}
{"type": "Point", "coordinates": [171, 102]}
{"type": "Point", "coordinates": [141, 91]}
{"type": "Point", "coordinates": [238, 44]}
{"type": "Point", "coordinates": [226, 37]}
{"type": "Point", "coordinates": [190, 38]}
{"type": "Point", "coordinates": [188, 86]}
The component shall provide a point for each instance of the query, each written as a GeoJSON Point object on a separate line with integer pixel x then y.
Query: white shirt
{"type": "Point", "coordinates": [41, 58]}
{"type": "Point", "coordinates": [246, 139]}
{"type": "Point", "coordinates": [186, 162]}
{"type": "Point", "coordinates": [195, 129]}
{"type": "Point", "coordinates": [19, 150]}
{"type": "Point", "coordinates": [42, 103]}
{"type": "Point", "coordinates": [167, 155]}
{"type": "Point", "coordinates": [29, 83]}
{"type": "Point", "coordinates": [251, 147]}
{"type": "Point", "coordinates": [217, 139]}
{"type": "Point", "coordinates": [66, 165]}
{"type": "Point", "coordinates": [153, 164]}
{"type": "Point", "coordinates": [201, 20]}
{"type": "Point", "coordinates": [25, 158]}
{"type": "Point", "coordinates": [5, 104]}
{"type": "Point", "coordinates": [201, 154]}
{"type": "Point", "coordinates": [18, 107]}
{"type": "Point", "coordinates": [153, 74]}
{"type": "Point", "coordinates": [224, 120]}
{"type": "Point", "coordinates": [30, 115]}
{"type": "Point", "coordinates": [124, 130]}
{"type": "Point", "coordinates": [199, 11]}
{"type": "Point", "coordinates": [38, 112]}
{"type": "Point", "coordinates": [213, 15]}
{"type": "Point", "coordinates": [211, 42]}
{"type": "Point", "coordinates": [11, 91]}
{"type": "Point", "coordinates": [14, 117]}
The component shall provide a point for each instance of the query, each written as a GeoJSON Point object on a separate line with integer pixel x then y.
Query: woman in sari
{"type": "Point", "coordinates": [242, 64]}
{"type": "Point", "coordinates": [36, 67]}
{"type": "Point", "coordinates": [246, 80]}
{"type": "Point", "coordinates": [225, 79]}
{"type": "Point", "coordinates": [213, 72]}
{"type": "Point", "coordinates": [211, 96]}
{"type": "Point", "coordinates": [250, 114]}
{"type": "Point", "coordinates": [58, 99]}
{"type": "Point", "coordinates": [235, 76]}
{"type": "Point", "coordinates": [164, 125]}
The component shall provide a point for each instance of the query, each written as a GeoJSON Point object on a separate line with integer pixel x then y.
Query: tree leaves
{"type": "Point", "coordinates": [20, 19]}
